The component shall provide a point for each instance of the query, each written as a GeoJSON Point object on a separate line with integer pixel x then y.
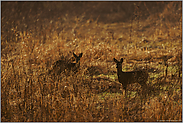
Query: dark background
{"type": "Point", "coordinates": [34, 15]}
{"type": "Point", "coordinates": [50, 10]}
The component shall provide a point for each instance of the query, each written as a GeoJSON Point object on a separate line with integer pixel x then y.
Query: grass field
{"type": "Point", "coordinates": [30, 45]}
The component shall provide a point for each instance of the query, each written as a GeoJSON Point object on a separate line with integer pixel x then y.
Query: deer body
{"type": "Point", "coordinates": [126, 78]}
{"type": "Point", "coordinates": [62, 65]}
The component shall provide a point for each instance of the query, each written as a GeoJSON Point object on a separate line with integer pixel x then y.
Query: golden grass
{"type": "Point", "coordinates": [94, 94]}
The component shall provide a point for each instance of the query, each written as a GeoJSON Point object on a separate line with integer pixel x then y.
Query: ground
{"type": "Point", "coordinates": [34, 35]}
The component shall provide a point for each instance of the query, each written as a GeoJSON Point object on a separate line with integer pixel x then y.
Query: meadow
{"type": "Point", "coordinates": [30, 44]}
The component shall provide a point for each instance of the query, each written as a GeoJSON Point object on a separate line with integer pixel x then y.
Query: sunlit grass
{"type": "Point", "coordinates": [29, 93]}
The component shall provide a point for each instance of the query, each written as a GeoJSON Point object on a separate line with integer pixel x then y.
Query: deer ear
{"type": "Point", "coordinates": [115, 60]}
{"type": "Point", "coordinates": [74, 54]}
{"type": "Point", "coordinates": [80, 55]}
{"type": "Point", "coordinates": [121, 60]}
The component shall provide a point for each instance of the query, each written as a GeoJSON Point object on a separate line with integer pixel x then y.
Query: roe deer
{"type": "Point", "coordinates": [126, 78]}
{"type": "Point", "coordinates": [62, 65]}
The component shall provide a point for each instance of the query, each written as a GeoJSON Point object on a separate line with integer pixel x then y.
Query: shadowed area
{"type": "Point", "coordinates": [76, 42]}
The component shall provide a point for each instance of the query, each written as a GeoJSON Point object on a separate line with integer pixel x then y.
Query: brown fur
{"type": "Point", "coordinates": [62, 65]}
{"type": "Point", "coordinates": [126, 78]}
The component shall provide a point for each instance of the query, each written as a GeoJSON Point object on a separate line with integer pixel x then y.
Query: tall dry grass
{"type": "Point", "coordinates": [29, 93]}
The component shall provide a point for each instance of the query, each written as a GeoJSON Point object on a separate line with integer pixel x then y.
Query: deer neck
{"type": "Point", "coordinates": [119, 71]}
{"type": "Point", "coordinates": [77, 64]}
